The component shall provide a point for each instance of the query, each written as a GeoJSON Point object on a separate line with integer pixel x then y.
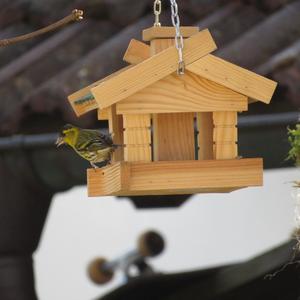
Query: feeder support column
{"type": "Point", "coordinates": [137, 137]}
{"type": "Point", "coordinates": [225, 135]}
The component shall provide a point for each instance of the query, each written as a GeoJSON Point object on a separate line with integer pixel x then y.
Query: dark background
{"type": "Point", "coordinates": [36, 77]}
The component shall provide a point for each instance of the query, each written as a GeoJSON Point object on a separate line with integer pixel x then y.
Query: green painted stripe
{"type": "Point", "coordinates": [87, 98]}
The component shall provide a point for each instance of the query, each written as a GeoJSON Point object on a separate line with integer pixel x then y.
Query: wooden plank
{"type": "Point", "coordinates": [225, 73]}
{"type": "Point", "coordinates": [103, 114]}
{"type": "Point", "coordinates": [195, 174]}
{"type": "Point", "coordinates": [125, 176]}
{"type": "Point", "coordinates": [178, 192]}
{"type": "Point", "coordinates": [104, 181]}
{"type": "Point", "coordinates": [205, 135]}
{"type": "Point", "coordinates": [81, 109]}
{"type": "Point", "coordinates": [151, 70]}
{"type": "Point", "coordinates": [226, 151]}
{"type": "Point", "coordinates": [186, 93]}
{"type": "Point", "coordinates": [115, 125]}
{"type": "Point", "coordinates": [137, 152]}
{"type": "Point", "coordinates": [234, 77]}
{"type": "Point", "coordinates": [167, 32]}
{"type": "Point", "coordinates": [137, 52]}
{"type": "Point", "coordinates": [225, 135]}
{"type": "Point", "coordinates": [137, 137]}
{"type": "Point", "coordinates": [137, 121]}
{"type": "Point", "coordinates": [159, 45]}
{"type": "Point", "coordinates": [108, 180]}
{"type": "Point", "coordinates": [173, 137]}
{"type": "Point", "coordinates": [175, 177]}
{"type": "Point", "coordinates": [225, 118]}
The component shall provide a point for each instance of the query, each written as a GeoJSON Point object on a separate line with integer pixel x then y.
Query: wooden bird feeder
{"type": "Point", "coordinates": [180, 132]}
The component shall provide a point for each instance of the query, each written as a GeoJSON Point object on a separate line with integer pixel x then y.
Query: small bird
{"type": "Point", "coordinates": [90, 144]}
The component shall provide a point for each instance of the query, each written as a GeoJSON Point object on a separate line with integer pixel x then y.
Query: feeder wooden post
{"type": "Point", "coordinates": [173, 134]}
{"type": "Point", "coordinates": [115, 126]}
{"type": "Point", "coordinates": [205, 126]}
{"type": "Point", "coordinates": [137, 137]}
{"type": "Point", "coordinates": [225, 135]}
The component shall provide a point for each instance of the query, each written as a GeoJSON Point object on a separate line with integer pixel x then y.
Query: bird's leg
{"type": "Point", "coordinates": [94, 165]}
{"type": "Point", "coordinates": [107, 162]}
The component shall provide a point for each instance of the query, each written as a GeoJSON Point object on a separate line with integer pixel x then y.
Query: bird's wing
{"type": "Point", "coordinates": [92, 140]}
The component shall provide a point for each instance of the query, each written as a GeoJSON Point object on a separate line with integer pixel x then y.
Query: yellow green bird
{"type": "Point", "coordinates": [90, 144]}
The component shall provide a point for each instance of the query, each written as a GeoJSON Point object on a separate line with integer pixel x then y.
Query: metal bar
{"type": "Point", "coordinates": [287, 118]}
{"type": "Point", "coordinates": [27, 141]}
{"type": "Point", "coordinates": [48, 139]}
{"type": "Point", "coordinates": [123, 262]}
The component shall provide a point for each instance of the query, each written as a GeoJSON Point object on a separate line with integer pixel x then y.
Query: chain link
{"type": "Point", "coordinates": [178, 36]}
{"type": "Point", "coordinates": [157, 7]}
{"type": "Point", "coordinates": [157, 12]}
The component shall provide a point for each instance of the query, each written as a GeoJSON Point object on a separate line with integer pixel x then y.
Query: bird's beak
{"type": "Point", "coordinates": [60, 141]}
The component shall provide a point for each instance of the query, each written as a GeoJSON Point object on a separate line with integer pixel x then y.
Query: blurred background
{"type": "Point", "coordinates": [44, 208]}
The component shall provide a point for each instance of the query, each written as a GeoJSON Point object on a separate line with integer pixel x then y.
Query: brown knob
{"type": "Point", "coordinates": [97, 273]}
{"type": "Point", "coordinates": [150, 244]}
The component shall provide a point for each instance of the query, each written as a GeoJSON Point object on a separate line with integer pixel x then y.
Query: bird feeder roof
{"type": "Point", "coordinates": [224, 79]}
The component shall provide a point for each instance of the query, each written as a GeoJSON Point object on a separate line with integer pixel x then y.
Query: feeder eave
{"type": "Point", "coordinates": [84, 101]}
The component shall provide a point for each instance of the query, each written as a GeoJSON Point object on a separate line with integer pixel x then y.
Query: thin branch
{"type": "Point", "coordinates": [76, 15]}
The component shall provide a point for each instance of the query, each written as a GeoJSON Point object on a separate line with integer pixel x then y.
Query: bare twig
{"type": "Point", "coordinates": [76, 15]}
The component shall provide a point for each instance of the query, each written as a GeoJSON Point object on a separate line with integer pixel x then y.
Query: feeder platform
{"type": "Point", "coordinates": [174, 177]}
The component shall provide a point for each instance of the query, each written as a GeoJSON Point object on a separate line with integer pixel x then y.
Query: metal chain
{"type": "Point", "coordinates": [178, 36]}
{"type": "Point", "coordinates": [157, 12]}
{"type": "Point", "coordinates": [176, 23]}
